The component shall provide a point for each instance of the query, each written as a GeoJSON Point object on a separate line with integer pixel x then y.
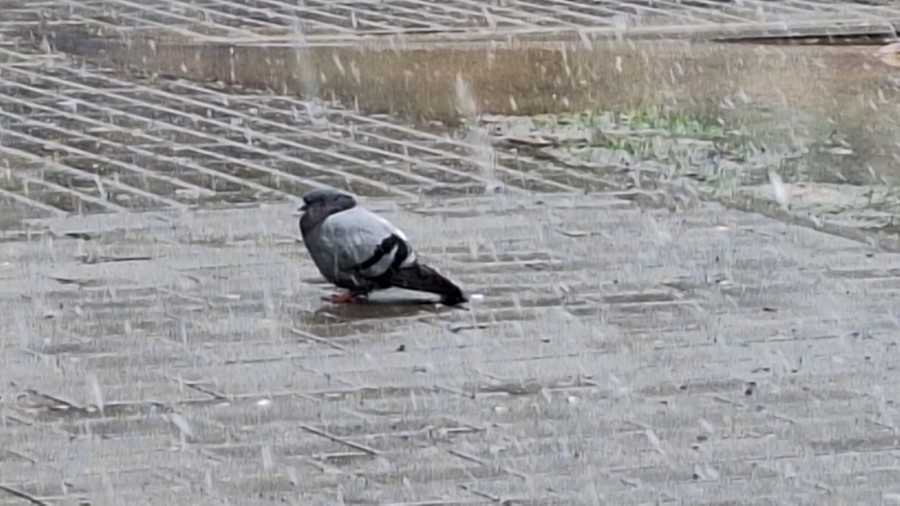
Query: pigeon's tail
{"type": "Point", "coordinates": [422, 278]}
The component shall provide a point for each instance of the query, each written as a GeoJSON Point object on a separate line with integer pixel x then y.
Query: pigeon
{"type": "Point", "coordinates": [359, 251]}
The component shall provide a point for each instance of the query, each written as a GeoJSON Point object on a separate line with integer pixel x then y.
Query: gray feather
{"type": "Point", "coordinates": [348, 239]}
{"type": "Point", "coordinates": [360, 251]}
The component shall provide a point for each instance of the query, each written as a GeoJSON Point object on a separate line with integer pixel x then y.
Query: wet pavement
{"type": "Point", "coordinates": [619, 355]}
{"type": "Point", "coordinates": [165, 341]}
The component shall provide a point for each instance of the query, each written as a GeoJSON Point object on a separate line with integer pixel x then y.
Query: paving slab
{"type": "Point", "coordinates": [165, 342]}
{"type": "Point", "coordinates": [619, 355]}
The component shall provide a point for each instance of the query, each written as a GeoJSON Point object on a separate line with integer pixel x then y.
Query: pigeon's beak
{"type": "Point", "coordinates": [300, 210]}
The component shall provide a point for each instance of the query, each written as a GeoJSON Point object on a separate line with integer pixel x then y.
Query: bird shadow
{"type": "Point", "coordinates": [393, 307]}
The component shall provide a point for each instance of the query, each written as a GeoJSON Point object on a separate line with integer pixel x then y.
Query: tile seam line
{"type": "Point", "coordinates": [463, 36]}
{"type": "Point", "coordinates": [261, 135]}
{"type": "Point", "coordinates": [78, 4]}
{"type": "Point", "coordinates": [273, 172]}
{"type": "Point", "coordinates": [405, 158]}
{"type": "Point", "coordinates": [159, 140]}
{"type": "Point", "coordinates": [66, 169]}
{"type": "Point", "coordinates": [350, 144]}
{"type": "Point", "coordinates": [76, 152]}
{"type": "Point", "coordinates": [299, 10]}
{"type": "Point", "coordinates": [108, 206]}
{"type": "Point", "coordinates": [179, 30]}
{"type": "Point", "coordinates": [416, 133]}
{"type": "Point", "coordinates": [33, 203]}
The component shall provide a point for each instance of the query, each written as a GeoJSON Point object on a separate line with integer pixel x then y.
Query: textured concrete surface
{"type": "Point", "coordinates": [619, 356]}
{"type": "Point", "coordinates": [163, 340]}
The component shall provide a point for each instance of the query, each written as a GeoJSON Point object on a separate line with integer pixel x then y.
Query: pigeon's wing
{"type": "Point", "coordinates": [361, 248]}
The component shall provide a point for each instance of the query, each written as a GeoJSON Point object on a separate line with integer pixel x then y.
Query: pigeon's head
{"type": "Point", "coordinates": [326, 201]}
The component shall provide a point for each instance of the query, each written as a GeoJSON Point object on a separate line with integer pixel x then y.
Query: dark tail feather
{"type": "Point", "coordinates": [422, 278]}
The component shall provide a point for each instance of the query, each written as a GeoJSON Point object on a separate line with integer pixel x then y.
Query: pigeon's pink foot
{"type": "Point", "coordinates": [344, 298]}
